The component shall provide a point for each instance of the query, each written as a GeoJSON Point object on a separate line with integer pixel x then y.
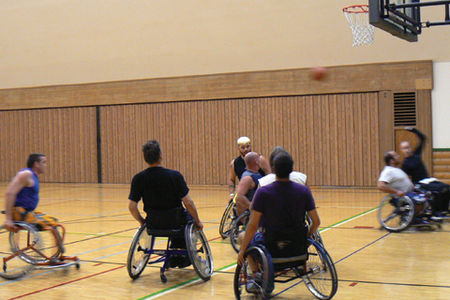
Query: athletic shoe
{"type": "Point", "coordinates": [254, 284]}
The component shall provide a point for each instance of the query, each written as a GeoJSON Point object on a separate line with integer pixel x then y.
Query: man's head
{"type": "Point", "coordinates": [283, 165]}
{"type": "Point", "coordinates": [406, 148]}
{"type": "Point", "coordinates": [391, 158]}
{"type": "Point", "coordinates": [252, 161]}
{"type": "Point", "coordinates": [277, 150]}
{"type": "Point", "coordinates": [37, 162]}
{"type": "Point", "coordinates": [152, 152]}
{"type": "Point", "coordinates": [244, 145]}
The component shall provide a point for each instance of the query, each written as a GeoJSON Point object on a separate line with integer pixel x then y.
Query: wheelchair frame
{"type": "Point", "coordinates": [240, 224]}
{"type": "Point", "coordinates": [31, 252]}
{"type": "Point", "coordinates": [316, 263]}
{"type": "Point", "coordinates": [395, 214]}
{"type": "Point", "coordinates": [140, 252]}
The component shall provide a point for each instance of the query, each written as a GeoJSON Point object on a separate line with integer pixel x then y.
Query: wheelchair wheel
{"type": "Point", "coordinates": [395, 214]}
{"type": "Point", "coordinates": [321, 276]}
{"type": "Point", "coordinates": [238, 226]}
{"type": "Point", "coordinates": [227, 220]}
{"type": "Point", "coordinates": [199, 252]}
{"type": "Point", "coordinates": [247, 286]}
{"type": "Point", "coordinates": [17, 266]}
{"type": "Point", "coordinates": [139, 252]}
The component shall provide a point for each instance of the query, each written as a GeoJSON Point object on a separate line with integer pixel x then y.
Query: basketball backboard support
{"type": "Point", "coordinates": [402, 18]}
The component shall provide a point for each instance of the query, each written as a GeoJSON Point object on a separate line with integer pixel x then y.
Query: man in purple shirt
{"type": "Point", "coordinates": [279, 207]}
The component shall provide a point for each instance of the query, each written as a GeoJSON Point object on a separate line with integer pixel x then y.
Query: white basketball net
{"type": "Point", "coordinates": [358, 18]}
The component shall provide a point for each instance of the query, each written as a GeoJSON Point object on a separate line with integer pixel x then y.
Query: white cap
{"type": "Point", "coordinates": [243, 140]}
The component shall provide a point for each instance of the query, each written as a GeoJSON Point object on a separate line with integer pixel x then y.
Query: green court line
{"type": "Point", "coordinates": [348, 219]}
{"type": "Point", "coordinates": [181, 284]}
{"type": "Point", "coordinates": [233, 264]}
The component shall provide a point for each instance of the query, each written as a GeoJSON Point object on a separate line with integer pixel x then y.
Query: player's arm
{"type": "Point", "coordinates": [315, 221]}
{"type": "Point", "coordinates": [231, 179]}
{"type": "Point", "coordinates": [252, 226]}
{"type": "Point", "coordinates": [192, 210]}
{"type": "Point", "coordinates": [134, 210]}
{"type": "Point", "coordinates": [264, 165]}
{"type": "Point", "coordinates": [384, 187]}
{"type": "Point", "coordinates": [421, 137]}
{"type": "Point", "coordinates": [244, 186]}
{"type": "Point", "coordinates": [21, 180]}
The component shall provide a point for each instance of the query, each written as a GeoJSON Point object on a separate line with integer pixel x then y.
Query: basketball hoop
{"type": "Point", "coordinates": [358, 18]}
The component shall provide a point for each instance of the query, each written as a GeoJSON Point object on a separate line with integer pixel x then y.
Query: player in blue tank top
{"type": "Point", "coordinates": [249, 182]}
{"type": "Point", "coordinates": [23, 190]}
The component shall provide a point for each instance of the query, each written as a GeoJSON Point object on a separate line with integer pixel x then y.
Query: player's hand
{"type": "Point", "coordinates": [231, 197]}
{"type": "Point", "coordinates": [409, 128]}
{"type": "Point", "coordinates": [240, 260]}
{"type": "Point", "coordinates": [9, 225]}
{"type": "Point", "coordinates": [199, 225]}
{"type": "Point", "coordinates": [400, 193]}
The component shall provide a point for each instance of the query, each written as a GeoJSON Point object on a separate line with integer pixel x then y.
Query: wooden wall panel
{"type": "Point", "coordinates": [341, 79]}
{"type": "Point", "coordinates": [333, 138]}
{"type": "Point", "coordinates": [67, 136]}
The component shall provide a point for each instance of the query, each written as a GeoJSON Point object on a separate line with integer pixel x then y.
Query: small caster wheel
{"type": "Point", "coordinates": [77, 265]}
{"type": "Point", "coordinates": [163, 278]}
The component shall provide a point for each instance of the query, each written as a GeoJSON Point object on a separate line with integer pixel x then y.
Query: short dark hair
{"type": "Point", "coordinates": [152, 151]}
{"type": "Point", "coordinates": [275, 152]}
{"type": "Point", "coordinates": [387, 157]}
{"type": "Point", "coordinates": [283, 165]}
{"type": "Point", "coordinates": [34, 157]}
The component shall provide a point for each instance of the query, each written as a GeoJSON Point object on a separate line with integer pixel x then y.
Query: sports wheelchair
{"type": "Point", "coordinates": [239, 225]}
{"type": "Point", "coordinates": [229, 215]}
{"type": "Point", "coordinates": [315, 268]}
{"type": "Point", "coordinates": [195, 247]}
{"type": "Point", "coordinates": [28, 251]}
{"type": "Point", "coordinates": [398, 213]}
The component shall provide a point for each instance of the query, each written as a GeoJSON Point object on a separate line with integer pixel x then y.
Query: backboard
{"type": "Point", "coordinates": [402, 18]}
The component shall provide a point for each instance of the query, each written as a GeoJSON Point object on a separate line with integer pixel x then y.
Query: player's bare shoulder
{"type": "Point", "coordinates": [25, 177]}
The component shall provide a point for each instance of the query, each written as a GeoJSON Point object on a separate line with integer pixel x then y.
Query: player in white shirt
{"type": "Point", "coordinates": [293, 176]}
{"type": "Point", "coordinates": [392, 179]}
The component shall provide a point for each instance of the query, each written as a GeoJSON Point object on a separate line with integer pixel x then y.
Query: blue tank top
{"type": "Point", "coordinates": [255, 177]}
{"type": "Point", "coordinates": [28, 197]}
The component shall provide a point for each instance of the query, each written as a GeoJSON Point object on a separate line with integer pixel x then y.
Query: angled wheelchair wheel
{"type": "Point", "coordinates": [321, 276]}
{"type": "Point", "coordinates": [227, 220]}
{"type": "Point", "coordinates": [12, 264]}
{"type": "Point", "coordinates": [139, 252]}
{"type": "Point", "coordinates": [199, 251]}
{"type": "Point", "coordinates": [238, 226]}
{"type": "Point", "coordinates": [395, 214]}
{"type": "Point", "coordinates": [247, 284]}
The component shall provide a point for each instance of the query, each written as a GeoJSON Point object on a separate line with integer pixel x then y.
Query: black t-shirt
{"type": "Point", "coordinates": [239, 167]}
{"type": "Point", "coordinates": [160, 188]}
{"type": "Point", "coordinates": [413, 165]}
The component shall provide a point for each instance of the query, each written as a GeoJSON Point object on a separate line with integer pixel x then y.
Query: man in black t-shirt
{"type": "Point", "coordinates": [160, 188]}
{"type": "Point", "coordinates": [413, 164]}
{"type": "Point", "coordinates": [237, 165]}
{"type": "Point", "coordinates": [414, 167]}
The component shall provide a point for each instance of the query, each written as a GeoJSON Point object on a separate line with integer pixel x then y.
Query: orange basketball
{"type": "Point", "coordinates": [318, 73]}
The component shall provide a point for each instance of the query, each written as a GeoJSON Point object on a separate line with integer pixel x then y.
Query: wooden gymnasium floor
{"type": "Point", "coordinates": [371, 263]}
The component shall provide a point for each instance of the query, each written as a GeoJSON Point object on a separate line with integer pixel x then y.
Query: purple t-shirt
{"type": "Point", "coordinates": [283, 203]}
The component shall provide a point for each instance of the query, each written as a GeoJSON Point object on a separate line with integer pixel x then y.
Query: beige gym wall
{"type": "Point", "coordinates": [51, 42]}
